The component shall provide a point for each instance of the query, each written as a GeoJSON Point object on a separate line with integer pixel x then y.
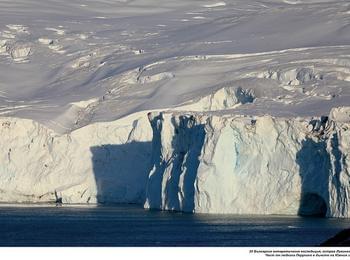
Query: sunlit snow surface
{"type": "Point", "coordinates": [69, 63]}
{"type": "Point", "coordinates": [77, 79]}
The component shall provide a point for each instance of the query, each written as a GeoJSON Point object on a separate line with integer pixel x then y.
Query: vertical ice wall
{"type": "Point", "coordinates": [249, 165]}
{"type": "Point", "coordinates": [99, 163]}
{"type": "Point", "coordinates": [195, 163]}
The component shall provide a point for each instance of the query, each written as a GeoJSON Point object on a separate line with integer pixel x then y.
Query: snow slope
{"type": "Point", "coordinates": [77, 79]}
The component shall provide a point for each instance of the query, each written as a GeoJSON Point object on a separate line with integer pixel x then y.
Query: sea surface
{"type": "Point", "coordinates": [44, 225]}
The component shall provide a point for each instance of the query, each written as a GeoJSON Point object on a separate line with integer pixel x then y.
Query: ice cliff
{"type": "Point", "coordinates": [250, 165]}
{"type": "Point", "coordinates": [193, 162]}
{"type": "Point", "coordinates": [102, 162]}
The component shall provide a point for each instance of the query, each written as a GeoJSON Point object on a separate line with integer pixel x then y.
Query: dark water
{"type": "Point", "coordinates": [133, 226]}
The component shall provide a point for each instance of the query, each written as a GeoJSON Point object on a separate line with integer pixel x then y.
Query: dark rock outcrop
{"type": "Point", "coordinates": [340, 239]}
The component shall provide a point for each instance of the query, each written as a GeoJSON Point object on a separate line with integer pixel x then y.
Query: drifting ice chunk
{"type": "Point", "coordinates": [19, 51]}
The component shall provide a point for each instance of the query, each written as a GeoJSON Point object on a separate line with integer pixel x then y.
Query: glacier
{"type": "Point", "coordinates": [92, 164]}
{"type": "Point", "coordinates": [204, 106]}
{"type": "Point", "coordinates": [192, 162]}
{"type": "Point", "coordinates": [250, 165]}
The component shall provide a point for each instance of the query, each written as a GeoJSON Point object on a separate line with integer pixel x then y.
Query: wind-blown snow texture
{"type": "Point", "coordinates": [255, 94]}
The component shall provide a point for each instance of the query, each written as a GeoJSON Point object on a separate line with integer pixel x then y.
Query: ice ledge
{"type": "Point", "coordinates": [250, 165]}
